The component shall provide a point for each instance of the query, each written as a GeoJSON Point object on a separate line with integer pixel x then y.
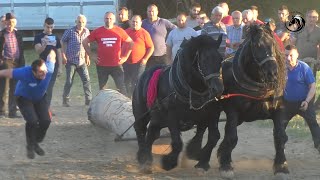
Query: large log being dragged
{"type": "Point", "coordinates": [112, 110]}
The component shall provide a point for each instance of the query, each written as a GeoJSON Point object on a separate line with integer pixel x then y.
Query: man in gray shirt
{"type": "Point", "coordinates": [158, 29]}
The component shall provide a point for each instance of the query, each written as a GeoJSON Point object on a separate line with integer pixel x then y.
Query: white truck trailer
{"type": "Point", "coordinates": [31, 14]}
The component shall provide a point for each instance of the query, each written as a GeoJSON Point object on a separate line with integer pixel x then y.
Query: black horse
{"type": "Point", "coordinates": [185, 91]}
{"type": "Point", "coordinates": [254, 80]}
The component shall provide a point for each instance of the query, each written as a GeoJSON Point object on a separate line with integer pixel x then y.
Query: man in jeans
{"type": "Point", "coordinates": [11, 45]}
{"type": "Point", "coordinates": [31, 89]}
{"type": "Point", "coordinates": [76, 59]}
{"type": "Point", "coordinates": [114, 48]}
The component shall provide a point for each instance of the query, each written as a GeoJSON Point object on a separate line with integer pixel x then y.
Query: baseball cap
{"type": "Point", "coordinates": [269, 20]}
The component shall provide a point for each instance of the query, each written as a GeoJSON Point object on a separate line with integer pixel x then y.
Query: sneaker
{"type": "Point", "coordinates": [65, 102]}
{"type": "Point", "coordinates": [87, 102]}
{"type": "Point", "coordinates": [38, 150]}
{"type": "Point", "coordinates": [30, 152]}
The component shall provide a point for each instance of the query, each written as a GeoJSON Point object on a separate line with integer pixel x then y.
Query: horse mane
{"type": "Point", "coordinates": [262, 31]}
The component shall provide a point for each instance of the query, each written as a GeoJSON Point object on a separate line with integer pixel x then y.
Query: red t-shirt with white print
{"type": "Point", "coordinates": [109, 44]}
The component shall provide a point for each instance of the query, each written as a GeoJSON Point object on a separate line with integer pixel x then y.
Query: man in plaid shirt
{"type": "Point", "coordinates": [12, 46]}
{"type": "Point", "coordinates": [76, 59]}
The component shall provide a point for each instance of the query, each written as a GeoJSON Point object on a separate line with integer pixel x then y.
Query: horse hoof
{"type": "Point", "coordinates": [145, 169]}
{"type": "Point", "coordinates": [281, 168]}
{"type": "Point", "coordinates": [281, 176]}
{"type": "Point", "coordinates": [205, 167]}
{"type": "Point", "coordinates": [169, 162]}
{"type": "Point", "coordinates": [229, 174]}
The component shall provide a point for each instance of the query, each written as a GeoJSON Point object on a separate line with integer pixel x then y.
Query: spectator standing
{"type": "Point", "coordinates": [193, 12]}
{"type": "Point", "coordinates": [299, 93]}
{"type": "Point", "coordinates": [158, 29]}
{"type": "Point", "coordinates": [45, 42]}
{"type": "Point", "coordinates": [123, 17]}
{"type": "Point", "coordinates": [215, 27]}
{"type": "Point", "coordinates": [281, 30]}
{"type": "Point", "coordinates": [114, 48]}
{"type": "Point", "coordinates": [272, 25]}
{"type": "Point", "coordinates": [234, 33]}
{"type": "Point", "coordinates": [31, 89]}
{"type": "Point", "coordinates": [202, 18]}
{"type": "Point", "coordinates": [176, 36]}
{"type": "Point", "coordinates": [76, 59]}
{"type": "Point", "coordinates": [255, 12]}
{"type": "Point", "coordinates": [11, 56]}
{"type": "Point", "coordinates": [227, 19]}
{"type": "Point", "coordinates": [141, 51]}
{"type": "Point", "coordinates": [2, 22]}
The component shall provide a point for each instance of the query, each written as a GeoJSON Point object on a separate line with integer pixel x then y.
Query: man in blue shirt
{"type": "Point", "coordinates": [299, 93]}
{"type": "Point", "coordinates": [31, 90]}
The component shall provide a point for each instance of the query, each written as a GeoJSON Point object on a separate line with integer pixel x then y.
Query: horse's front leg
{"type": "Point", "coordinates": [194, 145]}
{"type": "Point", "coordinates": [213, 137]}
{"type": "Point", "coordinates": [280, 138]}
{"type": "Point", "coordinates": [170, 160]}
{"type": "Point", "coordinates": [152, 134]}
{"type": "Point", "coordinates": [228, 144]}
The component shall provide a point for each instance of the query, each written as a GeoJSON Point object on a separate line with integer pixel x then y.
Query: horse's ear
{"type": "Point", "coordinates": [184, 42]}
{"type": "Point", "coordinates": [219, 41]}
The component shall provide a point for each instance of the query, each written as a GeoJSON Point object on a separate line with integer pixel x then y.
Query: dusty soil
{"type": "Point", "coordinates": [75, 149]}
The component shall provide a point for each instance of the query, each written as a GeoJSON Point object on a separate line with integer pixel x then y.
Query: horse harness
{"type": "Point", "coordinates": [183, 91]}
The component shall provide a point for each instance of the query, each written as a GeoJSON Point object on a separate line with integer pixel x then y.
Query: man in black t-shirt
{"type": "Point", "coordinates": [45, 42]}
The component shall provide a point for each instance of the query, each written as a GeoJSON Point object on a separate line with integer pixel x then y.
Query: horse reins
{"type": "Point", "coordinates": [226, 96]}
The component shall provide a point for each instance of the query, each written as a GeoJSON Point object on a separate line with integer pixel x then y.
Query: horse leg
{"type": "Point", "coordinates": [194, 145]}
{"type": "Point", "coordinates": [280, 138]}
{"type": "Point", "coordinates": [170, 160]}
{"type": "Point", "coordinates": [213, 137]}
{"type": "Point", "coordinates": [228, 144]}
{"type": "Point", "coordinates": [140, 126]}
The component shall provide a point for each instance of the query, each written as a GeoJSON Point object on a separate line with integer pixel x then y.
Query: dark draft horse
{"type": "Point", "coordinates": [254, 80]}
{"type": "Point", "coordinates": [185, 90]}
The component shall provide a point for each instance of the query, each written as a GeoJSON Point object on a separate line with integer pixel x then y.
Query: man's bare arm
{"type": "Point", "coordinates": [6, 73]}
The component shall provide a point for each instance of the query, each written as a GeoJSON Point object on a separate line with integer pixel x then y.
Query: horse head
{"type": "Point", "coordinates": [268, 66]}
{"type": "Point", "coordinates": [206, 61]}
{"type": "Point", "coordinates": [296, 23]}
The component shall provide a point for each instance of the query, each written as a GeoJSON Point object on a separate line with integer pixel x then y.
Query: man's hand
{"type": "Point", "coordinates": [144, 61]}
{"type": "Point", "coordinates": [304, 106]}
{"type": "Point", "coordinates": [122, 60]}
{"type": "Point", "coordinates": [87, 61]}
{"type": "Point", "coordinates": [64, 59]}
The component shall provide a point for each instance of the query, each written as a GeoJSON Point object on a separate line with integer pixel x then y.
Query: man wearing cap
{"type": "Point", "coordinates": [11, 45]}
{"type": "Point", "coordinates": [272, 25]}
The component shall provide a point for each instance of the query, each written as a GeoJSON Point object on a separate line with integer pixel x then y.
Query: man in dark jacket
{"type": "Point", "coordinates": [11, 45]}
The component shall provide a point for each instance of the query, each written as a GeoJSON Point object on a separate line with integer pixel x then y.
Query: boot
{"type": "Point", "coordinates": [30, 152]}
{"type": "Point", "coordinates": [38, 150]}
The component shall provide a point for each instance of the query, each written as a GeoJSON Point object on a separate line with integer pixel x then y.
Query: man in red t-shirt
{"type": "Point", "coordinates": [142, 50]}
{"type": "Point", "coordinates": [114, 48]}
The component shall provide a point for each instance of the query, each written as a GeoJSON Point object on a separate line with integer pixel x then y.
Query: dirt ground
{"type": "Point", "coordinates": [75, 149]}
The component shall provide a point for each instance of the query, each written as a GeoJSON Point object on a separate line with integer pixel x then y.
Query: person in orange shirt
{"type": "Point", "coordinates": [142, 50]}
{"type": "Point", "coordinates": [114, 48]}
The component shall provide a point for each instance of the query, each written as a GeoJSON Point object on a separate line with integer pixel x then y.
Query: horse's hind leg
{"type": "Point", "coordinates": [194, 145]}
{"type": "Point", "coordinates": [213, 137]}
{"type": "Point", "coordinates": [170, 161]}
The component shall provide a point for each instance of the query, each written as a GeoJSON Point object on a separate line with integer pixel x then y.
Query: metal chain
{"type": "Point", "coordinates": [200, 107]}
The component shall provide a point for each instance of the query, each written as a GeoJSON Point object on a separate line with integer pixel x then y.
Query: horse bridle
{"type": "Point", "coordinates": [260, 63]}
{"type": "Point", "coordinates": [208, 77]}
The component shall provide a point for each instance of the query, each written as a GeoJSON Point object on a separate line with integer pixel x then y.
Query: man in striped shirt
{"type": "Point", "coordinates": [215, 27]}
{"type": "Point", "coordinates": [76, 59]}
